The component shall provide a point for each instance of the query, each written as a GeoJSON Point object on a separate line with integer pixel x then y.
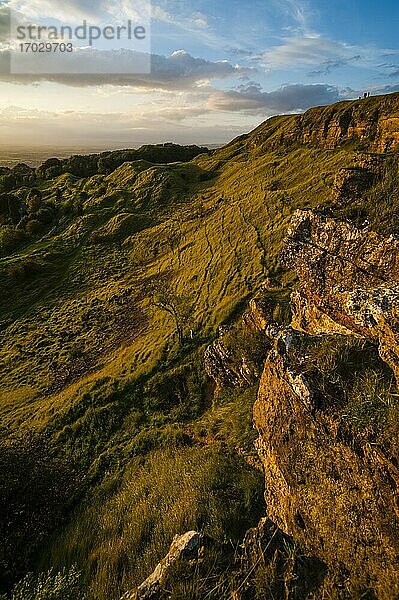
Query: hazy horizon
{"type": "Point", "coordinates": [36, 155]}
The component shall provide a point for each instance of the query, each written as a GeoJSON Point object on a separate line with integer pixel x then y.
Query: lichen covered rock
{"type": "Point", "coordinates": [339, 501]}
{"type": "Point", "coordinates": [226, 369]}
{"type": "Point", "coordinates": [348, 281]}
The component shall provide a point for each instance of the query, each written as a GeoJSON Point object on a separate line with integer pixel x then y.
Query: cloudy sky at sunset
{"type": "Point", "coordinates": [218, 70]}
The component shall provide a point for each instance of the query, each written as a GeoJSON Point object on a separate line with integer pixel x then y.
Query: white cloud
{"type": "Point", "coordinates": [180, 70]}
{"type": "Point", "coordinates": [75, 11]}
{"type": "Point", "coordinates": [27, 127]}
{"type": "Point", "coordinates": [297, 10]}
{"type": "Point", "coordinates": [305, 50]}
{"type": "Point", "coordinates": [66, 11]}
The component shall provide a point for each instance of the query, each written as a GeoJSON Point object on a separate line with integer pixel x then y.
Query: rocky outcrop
{"type": "Point", "coordinates": [223, 366]}
{"type": "Point", "coordinates": [216, 570]}
{"type": "Point", "coordinates": [372, 121]}
{"type": "Point", "coordinates": [233, 364]}
{"type": "Point", "coordinates": [349, 281]}
{"type": "Point", "coordinates": [351, 184]}
{"type": "Point", "coordinates": [334, 492]}
{"type": "Point", "coordinates": [185, 548]}
{"type": "Point", "coordinates": [306, 316]}
{"type": "Point", "coordinates": [331, 491]}
{"type": "Point", "coordinates": [338, 502]}
{"type": "Point", "coordinates": [259, 315]}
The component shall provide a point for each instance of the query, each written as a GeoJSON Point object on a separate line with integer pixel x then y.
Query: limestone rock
{"type": "Point", "coordinates": [372, 162]}
{"type": "Point", "coordinates": [372, 122]}
{"type": "Point", "coordinates": [187, 547]}
{"type": "Point", "coordinates": [348, 281]}
{"type": "Point", "coordinates": [336, 497]}
{"type": "Point", "coordinates": [259, 314]}
{"type": "Point", "coordinates": [307, 317]}
{"type": "Point", "coordinates": [225, 369]}
{"type": "Point", "coordinates": [231, 365]}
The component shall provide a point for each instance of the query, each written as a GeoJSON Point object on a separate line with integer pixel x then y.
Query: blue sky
{"type": "Point", "coordinates": [218, 70]}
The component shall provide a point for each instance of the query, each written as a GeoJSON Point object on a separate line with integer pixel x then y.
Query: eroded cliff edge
{"type": "Point", "coordinates": [332, 486]}
{"type": "Point", "coordinates": [363, 121]}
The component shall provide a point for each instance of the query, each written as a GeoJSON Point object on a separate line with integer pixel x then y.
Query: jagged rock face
{"type": "Point", "coordinates": [259, 314]}
{"type": "Point", "coordinates": [225, 370]}
{"type": "Point", "coordinates": [348, 281]}
{"type": "Point", "coordinates": [374, 163]}
{"type": "Point", "coordinates": [306, 316]}
{"type": "Point", "coordinates": [336, 496]}
{"type": "Point", "coordinates": [376, 124]}
{"type": "Point", "coordinates": [339, 503]}
{"type": "Point", "coordinates": [351, 183]}
{"type": "Point", "coordinates": [229, 367]}
{"type": "Point", "coordinates": [332, 253]}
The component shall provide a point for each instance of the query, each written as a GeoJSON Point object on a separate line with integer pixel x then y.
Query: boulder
{"type": "Point", "coordinates": [187, 547]}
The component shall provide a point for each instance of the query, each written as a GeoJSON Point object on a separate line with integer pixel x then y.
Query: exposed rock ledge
{"type": "Point", "coordinates": [349, 281]}
{"type": "Point", "coordinates": [339, 503]}
{"type": "Point", "coordinates": [337, 497]}
{"type": "Point", "coordinates": [187, 547]}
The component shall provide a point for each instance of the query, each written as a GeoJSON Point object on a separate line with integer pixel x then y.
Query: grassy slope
{"type": "Point", "coordinates": [216, 242]}
{"type": "Point", "coordinates": [88, 360]}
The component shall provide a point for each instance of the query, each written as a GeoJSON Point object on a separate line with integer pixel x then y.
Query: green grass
{"type": "Point", "coordinates": [118, 535]}
{"type": "Point", "coordinates": [355, 384]}
{"type": "Point", "coordinates": [64, 585]}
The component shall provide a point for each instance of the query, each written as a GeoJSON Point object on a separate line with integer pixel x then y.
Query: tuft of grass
{"type": "Point", "coordinates": [370, 402]}
{"type": "Point", "coordinates": [64, 585]}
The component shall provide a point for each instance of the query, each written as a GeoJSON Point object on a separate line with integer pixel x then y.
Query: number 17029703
{"type": "Point", "coordinates": [40, 47]}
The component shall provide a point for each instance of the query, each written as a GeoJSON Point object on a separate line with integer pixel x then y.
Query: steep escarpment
{"type": "Point", "coordinates": [336, 497]}
{"type": "Point", "coordinates": [370, 123]}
